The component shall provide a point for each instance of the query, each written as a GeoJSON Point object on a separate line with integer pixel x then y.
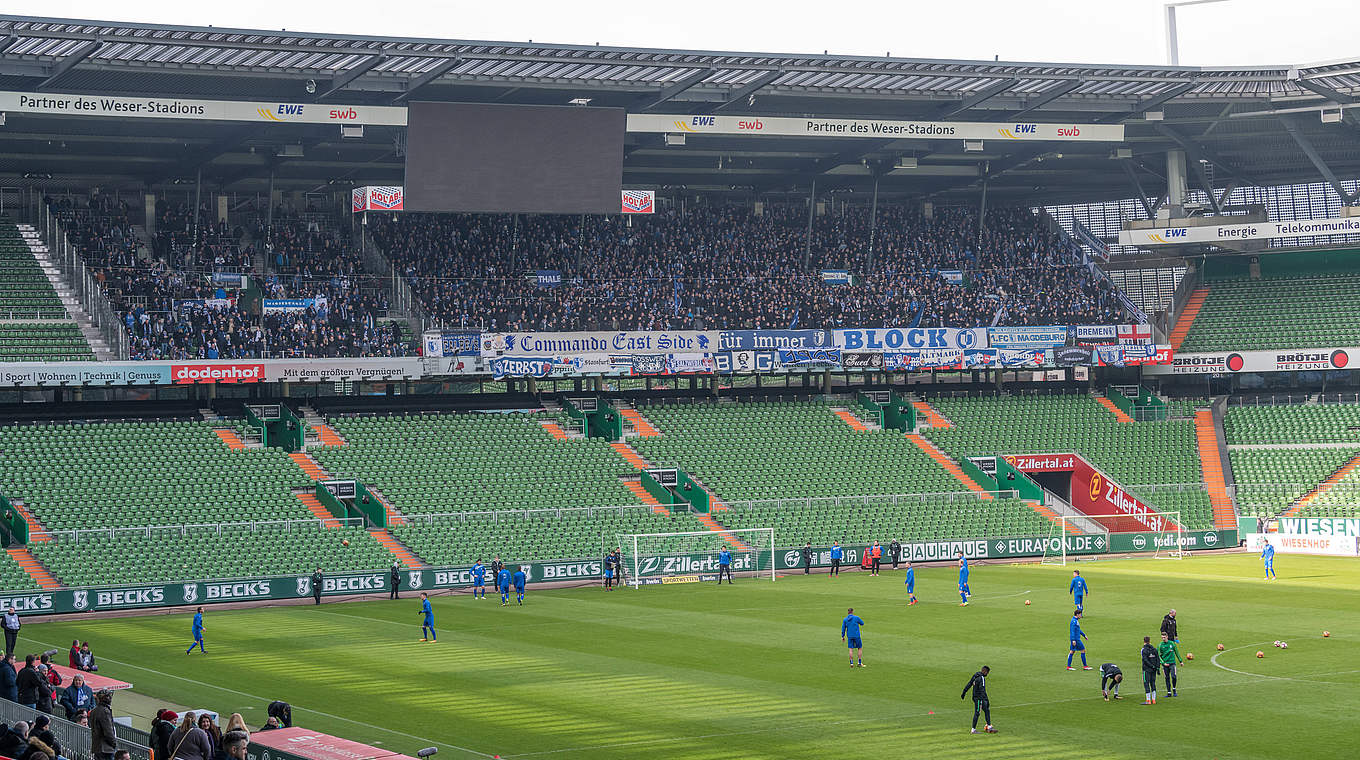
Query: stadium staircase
{"type": "Point", "coordinates": [33, 567]}
{"type": "Point", "coordinates": [1211, 466]}
{"type": "Point", "coordinates": [317, 509]}
{"type": "Point", "coordinates": [708, 522]}
{"type": "Point", "coordinates": [635, 486]}
{"type": "Point", "coordinates": [404, 555]}
{"type": "Point", "coordinates": [308, 465]}
{"type": "Point", "coordinates": [384, 537]}
{"type": "Point", "coordinates": [70, 301]}
{"type": "Point", "coordinates": [1323, 487]}
{"type": "Point", "coordinates": [328, 436]}
{"type": "Point", "coordinates": [555, 430]}
{"type": "Point", "coordinates": [948, 464]}
{"type": "Point", "coordinates": [644, 428]}
{"type": "Point", "coordinates": [850, 419]}
{"type": "Point", "coordinates": [1116, 411]}
{"type": "Point", "coordinates": [630, 454]}
{"type": "Point", "coordinates": [36, 531]}
{"type": "Point", "coordinates": [934, 418]}
{"type": "Point", "coordinates": [230, 438]}
{"type": "Point", "coordinates": [1186, 318]}
{"type": "Point", "coordinates": [1051, 515]}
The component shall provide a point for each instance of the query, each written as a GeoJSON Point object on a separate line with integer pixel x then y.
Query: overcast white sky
{"type": "Point", "coordinates": [1236, 32]}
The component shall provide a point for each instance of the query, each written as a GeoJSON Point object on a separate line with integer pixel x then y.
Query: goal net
{"type": "Point", "coordinates": [1055, 548]}
{"type": "Point", "coordinates": [658, 558]}
{"type": "Point", "coordinates": [1166, 542]}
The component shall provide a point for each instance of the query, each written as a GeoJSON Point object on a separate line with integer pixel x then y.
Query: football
{"type": "Point", "coordinates": [1276, 644]}
{"type": "Point", "coordinates": [1284, 645]}
{"type": "Point", "coordinates": [1189, 655]}
{"type": "Point", "coordinates": [1220, 647]}
{"type": "Point", "coordinates": [1326, 634]}
{"type": "Point", "coordinates": [1260, 654]}
{"type": "Point", "coordinates": [1026, 602]}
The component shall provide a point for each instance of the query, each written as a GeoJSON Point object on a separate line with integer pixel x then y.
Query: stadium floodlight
{"type": "Point", "coordinates": [972, 146]}
{"type": "Point", "coordinates": [1329, 116]}
{"type": "Point", "coordinates": [1158, 115]}
{"type": "Point", "coordinates": [1173, 51]}
{"type": "Point", "coordinates": [675, 138]}
{"type": "Point", "coordinates": [579, 102]}
{"type": "Point", "coordinates": [310, 86]}
{"type": "Point", "coordinates": [906, 162]}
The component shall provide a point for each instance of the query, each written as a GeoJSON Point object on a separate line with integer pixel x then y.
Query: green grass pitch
{"type": "Point", "coordinates": [758, 670]}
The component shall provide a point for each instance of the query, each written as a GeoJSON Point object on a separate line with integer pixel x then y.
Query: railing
{"type": "Point", "coordinates": [34, 314]}
{"type": "Point", "coordinates": [81, 279]}
{"type": "Point", "coordinates": [75, 739]}
{"type": "Point", "coordinates": [181, 531]}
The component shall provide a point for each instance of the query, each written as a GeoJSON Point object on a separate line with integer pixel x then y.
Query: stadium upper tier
{"type": "Point", "coordinates": [1156, 461]}
{"type": "Point", "coordinates": [725, 267]}
{"type": "Point", "coordinates": [786, 451]}
{"type": "Point", "coordinates": [34, 325]}
{"type": "Point", "coordinates": [1304, 311]}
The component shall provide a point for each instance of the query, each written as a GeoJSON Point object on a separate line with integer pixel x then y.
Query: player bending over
{"type": "Point", "coordinates": [198, 633]}
{"type": "Point", "coordinates": [1110, 676]}
{"type": "Point", "coordinates": [1074, 637]}
{"type": "Point", "coordinates": [427, 622]}
{"type": "Point", "coordinates": [1268, 557]}
{"type": "Point", "coordinates": [1150, 659]}
{"type": "Point", "coordinates": [520, 580]}
{"type": "Point", "coordinates": [963, 580]}
{"type": "Point", "coordinates": [850, 635]}
{"type": "Point", "coordinates": [1077, 588]}
{"type": "Point", "coordinates": [1171, 657]}
{"type": "Point", "coordinates": [978, 683]}
{"type": "Point", "coordinates": [911, 584]}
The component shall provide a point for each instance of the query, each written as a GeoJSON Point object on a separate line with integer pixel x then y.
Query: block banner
{"type": "Point", "coordinates": [452, 343]}
{"type": "Point", "coordinates": [1027, 337]}
{"type": "Point", "coordinates": [1231, 362]}
{"type": "Point", "coordinates": [909, 338]}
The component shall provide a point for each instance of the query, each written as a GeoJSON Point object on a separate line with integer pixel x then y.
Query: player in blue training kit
{"type": "Point", "coordinates": [1074, 637]}
{"type": "Point", "coordinates": [963, 580]}
{"type": "Point", "coordinates": [520, 579]}
{"type": "Point", "coordinates": [911, 584]}
{"type": "Point", "coordinates": [836, 555]}
{"type": "Point", "coordinates": [1077, 588]}
{"type": "Point", "coordinates": [503, 584]}
{"type": "Point", "coordinates": [1268, 556]}
{"type": "Point", "coordinates": [479, 580]}
{"type": "Point", "coordinates": [850, 635]}
{"type": "Point", "coordinates": [198, 633]}
{"type": "Point", "coordinates": [724, 566]}
{"type": "Point", "coordinates": [427, 625]}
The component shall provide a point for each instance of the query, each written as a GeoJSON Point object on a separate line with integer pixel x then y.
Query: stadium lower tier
{"type": "Point", "coordinates": [514, 537]}
{"type": "Point", "coordinates": [1271, 481]}
{"type": "Point", "coordinates": [1156, 461]}
{"type": "Point", "coordinates": [240, 552]}
{"type": "Point", "coordinates": [854, 521]}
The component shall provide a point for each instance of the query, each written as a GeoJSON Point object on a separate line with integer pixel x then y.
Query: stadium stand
{"type": "Point", "coordinates": [1157, 461]}
{"type": "Point", "coordinates": [770, 450]}
{"type": "Point", "coordinates": [1293, 424]}
{"type": "Point", "coordinates": [1295, 459]}
{"type": "Point", "coordinates": [851, 521]}
{"type": "Point", "coordinates": [34, 325]}
{"type": "Point", "coordinates": [1278, 312]}
{"type": "Point", "coordinates": [723, 267]}
{"type": "Point", "coordinates": [177, 476]}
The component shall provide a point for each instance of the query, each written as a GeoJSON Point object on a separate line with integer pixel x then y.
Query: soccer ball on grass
{"type": "Point", "coordinates": [1026, 602]}
{"type": "Point", "coordinates": [1260, 654]}
{"type": "Point", "coordinates": [1326, 634]}
{"type": "Point", "coordinates": [1220, 647]}
{"type": "Point", "coordinates": [1284, 645]}
{"type": "Point", "coordinates": [1189, 655]}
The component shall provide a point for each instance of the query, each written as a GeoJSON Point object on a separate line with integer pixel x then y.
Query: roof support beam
{"type": "Point", "coordinates": [1308, 150]}
{"type": "Point", "coordinates": [1325, 91]}
{"type": "Point", "coordinates": [648, 102]}
{"type": "Point", "coordinates": [1207, 186]}
{"type": "Point", "coordinates": [426, 78]}
{"type": "Point", "coordinates": [1048, 96]}
{"type": "Point", "coordinates": [1127, 166]}
{"type": "Point", "coordinates": [68, 63]}
{"type": "Point", "coordinates": [8, 41]}
{"type": "Point", "coordinates": [1150, 103]}
{"type": "Point", "coordinates": [342, 80]}
{"type": "Point", "coordinates": [747, 90]}
{"type": "Point", "coordinates": [986, 93]}
{"type": "Point", "coordinates": [1197, 151]}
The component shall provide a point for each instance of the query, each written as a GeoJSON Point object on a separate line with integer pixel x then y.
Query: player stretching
{"type": "Point", "coordinates": [479, 580]}
{"type": "Point", "coordinates": [503, 585]}
{"type": "Point", "coordinates": [198, 633]}
{"type": "Point", "coordinates": [978, 683]}
{"type": "Point", "coordinates": [520, 580]}
{"type": "Point", "coordinates": [911, 584]}
{"type": "Point", "coordinates": [1077, 588]}
{"type": "Point", "coordinates": [1268, 557]}
{"type": "Point", "coordinates": [427, 624]}
{"type": "Point", "coordinates": [1074, 637]}
{"type": "Point", "coordinates": [1171, 657]}
{"type": "Point", "coordinates": [1150, 659]}
{"type": "Point", "coordinates": [850, 635]}
{"type": "Point", "coordinates": [1110, 677]}
{"type": "Point", "coordinates": [963, 580]}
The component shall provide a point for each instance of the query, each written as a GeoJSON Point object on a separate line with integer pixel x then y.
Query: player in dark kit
{"type": "Point", "coordinates": [978, 683]}
{"type": "Point", "coordinates": [1110, 676]}
{"type": "Point", "coordinates": [1151, 660]}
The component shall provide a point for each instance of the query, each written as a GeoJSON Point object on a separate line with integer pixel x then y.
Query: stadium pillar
{"type": "Point", "coordinates": [150, 204]}
{"type": "Point", "coordinates": [198, 200]}
{"type": "Point", "coordinates": [807, 244]}
{"type": "Point", "coordinates": [1175, 183]}
{"type": "Point", "coordinates": [826, 381]}
{"type": "Point", "coordinates": [873, 224]}
{"type": "Point", "coordinates": [982, 212]}
{"type": "Point", "coordinates": [269, 213]}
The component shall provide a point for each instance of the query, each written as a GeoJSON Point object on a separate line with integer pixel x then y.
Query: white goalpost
{"type": "Point", "coordinates": [659, 558]}
{"type": "Point", "coordinates": [1055, 548]}
{"type": "Point", "coordinates": [1167, 543]}
{"type": "Point", "coordinates": [1170, 542]}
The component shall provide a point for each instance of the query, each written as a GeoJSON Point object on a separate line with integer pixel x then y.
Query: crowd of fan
{"type": "Point", "coordinates": [724, 267]}
{"type": "Point", "coordinates": [176, 304]}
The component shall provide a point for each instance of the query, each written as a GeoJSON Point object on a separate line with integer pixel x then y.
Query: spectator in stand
{"type": "Point", "coordinates": [30, 683]}
{"type": "Point", "coordinates": [102, 737]}
{"type": "Point", "coordinates": [271, 724]}
{"type": "Point", "coordinates": [189, 742]}
{"type": "Point", "coordinates": [236, 723]}
{"type": "Point", "coordinates": [73, 656]}
{"type": "Point", "coordinates": [41, 732]}
{"type": "Point", "coordinates": [14, 740]}
{"type": "Point", "coordinates": [234, 744]}
{"type": "Point", "coordinates": [162, 726]}
{"type": "Point", "coordinates": [86, 659]}
{"type": "Point", "coordinates": [47, 692]}
{"type": "Point", "coordinates": [214, 733]}
{"type": "Point", "coordinates": [8, 687]}
{"type": "Point", "coordinates": [77, 697]}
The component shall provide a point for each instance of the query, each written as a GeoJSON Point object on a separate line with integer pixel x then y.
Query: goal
{"type": "Point", "coordinates": [657, 558]}
{"type": "Point", "coordinates": [1166, 543]}
{"type": "Point", "coordinates": [1055, 548]}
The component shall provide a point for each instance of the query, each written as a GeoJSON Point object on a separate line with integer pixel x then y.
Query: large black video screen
{"type": "Point", "coordinates": [477, 157]}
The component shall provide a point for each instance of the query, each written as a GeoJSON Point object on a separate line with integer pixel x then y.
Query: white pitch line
{"type": "Point", "coordinates": [1214, 661]}
{"type": "Point", "coordinates": [258, 698]}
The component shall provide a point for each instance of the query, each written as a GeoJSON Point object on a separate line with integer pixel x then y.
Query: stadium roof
{"type": "Point", "coordinates": [1243, 125]}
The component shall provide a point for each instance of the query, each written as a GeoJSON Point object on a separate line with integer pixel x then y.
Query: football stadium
{"type": "Point", "coordinates": [447, 388]}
